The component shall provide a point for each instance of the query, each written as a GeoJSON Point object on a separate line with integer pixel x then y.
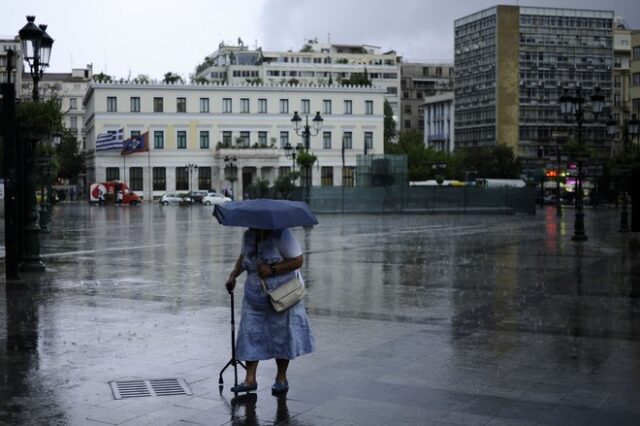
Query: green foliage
{"type": "Point", "coordinates": [71, 160]}
{"type": "Point", "coordinates": [389, 123]}
{"type": "Point", "coordinates": [102, 78]}
{"type": "Point", "coordinates": [172, 78]}
{"type": "Point", "coordinates": [260, 189]}
{"type": "Point", "coordinates": [496, 161]}
{"type": "Point", "coordinates": [208, 61]}
{"type": "Point", "coordinates": [285, 184]}
{"type": "Point", "coordinates": [293, 82]}
{"type": "Point", "coordinates": [306, 48]}
{"type": "Point", "coordinates": [420, 159]}
{"type": "Point", "coordinates": [255, 81]}
{"type": "Point", "coordinates": [141, 79]}
{"type": "Point", "coordinates": [43, 117]}
{"type": "Point", "coordinates": [357, 79]}
{"type": "Point", "coordinates": [306, 159]}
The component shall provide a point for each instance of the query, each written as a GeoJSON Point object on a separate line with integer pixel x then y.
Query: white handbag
{"type": "Point", "coordinates": [287, 294]}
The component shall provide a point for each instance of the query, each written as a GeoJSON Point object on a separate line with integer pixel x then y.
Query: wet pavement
{"type": "Point", "coordinates": [419, 320]}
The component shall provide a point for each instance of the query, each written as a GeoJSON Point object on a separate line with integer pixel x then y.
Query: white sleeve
{"type": "Point", "coordinates": [289, 245]}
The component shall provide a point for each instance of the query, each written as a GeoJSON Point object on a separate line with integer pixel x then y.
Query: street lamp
{"type": "Point", "coordinates": [574, 105]}
{"type": "Point", "coordinates": [230, 170]}
{"type": "Point", "coordinates": [190, 169]}
{"type": "Point", "coordinates": [306, 132]}
{"type": "Point", "coordinates": [36, 47]}
{"type": "Point", "coordinates": [291, 153]}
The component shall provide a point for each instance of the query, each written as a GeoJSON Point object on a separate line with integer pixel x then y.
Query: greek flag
{"type": "Point", "coordinates": [110, 140]}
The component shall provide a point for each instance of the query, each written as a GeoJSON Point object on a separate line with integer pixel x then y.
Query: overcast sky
{"type": "Point", "coordinates": [122, 37]}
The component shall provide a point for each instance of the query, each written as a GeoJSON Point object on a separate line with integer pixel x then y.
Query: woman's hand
{"type": "Point", "coordinates": [264, 270]}
{"type": "Point", "coordinates": [230, 284]}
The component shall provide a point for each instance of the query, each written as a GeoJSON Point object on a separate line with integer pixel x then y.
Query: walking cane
{"type": "Point", "coordinates": [233, 361]}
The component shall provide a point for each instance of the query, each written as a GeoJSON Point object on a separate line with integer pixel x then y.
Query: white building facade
{"type": "Point", "coordinates": [204, 124]}
{"type": "Point", "coordinates": [315, 63]}
{"type": "Point", "coordinates": [439, 122]}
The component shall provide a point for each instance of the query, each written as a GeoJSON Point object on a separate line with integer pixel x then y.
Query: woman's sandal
{"type": "Point", "coordinates": [243, 387]}
{"type": "Point", "coordinates": [280, 387]}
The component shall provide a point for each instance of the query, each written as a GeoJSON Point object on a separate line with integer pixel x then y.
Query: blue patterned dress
{"type": "Point", "coordinates": [264, 333]}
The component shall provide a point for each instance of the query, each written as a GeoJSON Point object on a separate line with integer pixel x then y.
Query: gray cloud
{"type": "Point", "coordinates": [415, 29]}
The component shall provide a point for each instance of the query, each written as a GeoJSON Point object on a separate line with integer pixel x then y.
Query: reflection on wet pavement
{"type": "Point", "coordinates": [419, 320]}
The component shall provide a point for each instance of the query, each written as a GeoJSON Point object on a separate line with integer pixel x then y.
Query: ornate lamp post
{"type": "Point", "coordinates": [633, 130]}
{"type": "Point", "coordinates": [190, 168]}
{"type": "Point", "coordinates": [36, 48]}
{"type": "Point", "coordinates": [231, 170]}
{"type": "Point", "coordinates": [574, 105]}
{"type": "Point", "coordinates": [291, 153]}
{"type": "Point", "coordinates": [306, 132]}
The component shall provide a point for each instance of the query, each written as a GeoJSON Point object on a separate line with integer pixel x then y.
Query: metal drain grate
{"type": "Point", "coordinates": [154, 387]}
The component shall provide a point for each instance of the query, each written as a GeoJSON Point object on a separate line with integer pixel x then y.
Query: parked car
{"type": "Point", "coordinates": [175, 198]}
{"type": "Point", "coordinates": [197, 196]}
{"type": "Point", "coordinates": [213, 198]}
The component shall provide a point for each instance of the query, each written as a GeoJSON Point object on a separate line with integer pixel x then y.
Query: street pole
{"type": "Point", "coordinates": [11, 201]}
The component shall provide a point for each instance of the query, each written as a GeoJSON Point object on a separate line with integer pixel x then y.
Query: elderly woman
{"type": "Point", "coordinates": [272, 256]}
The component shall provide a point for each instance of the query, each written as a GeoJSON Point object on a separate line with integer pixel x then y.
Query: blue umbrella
{"type": "Point", "coordinates": [265, 214]}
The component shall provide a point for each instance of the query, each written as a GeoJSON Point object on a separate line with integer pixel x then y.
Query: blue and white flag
{"type": "Point", "coordinates": [110, 140]}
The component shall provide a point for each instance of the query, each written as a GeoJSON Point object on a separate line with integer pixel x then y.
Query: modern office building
{"type": "Point", "coordinates": [316, 63]}
{"type": "Point", "coordinates": [439, 122]}
{"type": "Point", "coordinates": [621, 96]}
{"type": "Point", "coordinates": [419, 81]}
{"type": "Point", "coordinates": [512, 63]}
{"type": "Point", "coordinates": [203, 124]}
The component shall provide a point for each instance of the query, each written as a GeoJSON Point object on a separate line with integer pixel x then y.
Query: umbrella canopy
{"type": "Point", "coordinates": [265, 214]}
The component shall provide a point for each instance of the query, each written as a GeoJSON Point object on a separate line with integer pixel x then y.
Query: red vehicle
{"type": "Point", "coordinates": [113, 190]}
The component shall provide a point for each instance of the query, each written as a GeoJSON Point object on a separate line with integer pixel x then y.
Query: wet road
{"type": "Point", "coordinates": [419, 320]}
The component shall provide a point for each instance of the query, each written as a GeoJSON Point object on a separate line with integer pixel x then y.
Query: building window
{"type": "Point", "coordinates": [635, 79]}
{"type": "Point", "coordinates": [73, 124]}
{"type": "Point", "coordinates": [113, 173]}
{"type": "Point", "coordinates": [262, 106]}
{"type": "Point", "coordinates": [306, 176]}
{"type": "Point", "coordinates": [326, 140]}
{"type": "Point", "coordinates": [226, 139]}
{"type": "Point", "coordinates": [159, 179]}
{"type": "Point", "coordinates": [636, 53]}
{"type": "Point", "coordinates": [204, 139]}
{"type": "Point", "coordinates": [326, 176]}
{"type": "Point", "coordinates": [348, 107]}
{"type": "Point", "coordinates": [158, 139]}
{"type": "Point", "coordinates": [305, 106]}
{"type": "Point", "coordinates": [244, 105]}
{"type": "Point", "coordinates": [226, 105]}
{"type": "Point", "coordinates": [347, 141]}
{"type": "Point", "coordinates": [204, 178]}
{"type": "Point", "coordinates": [244, 138]}
{"type": "Point", "coordinates": [284, 138]}
{"type": "Point", "coordinates": [181, 105]}
{"type": "Point", "coordinates": [73, 103]}
{"type": "Point", "coordinates": [284, 106]}
{"type": "Point", "coordinates": [182, 179]}
{"type": "Point", "coordinates": [204, 104]}
{"type": "Point", "coordinates": [135, 104]}
{"type": "Point", "coordinates": [158, 105]}
{"type": "Point", "coordinates": [326, 106]}
{"type": "Point", "coordinates": [368, 107]}
{"type": "Point", "coordinates": [135, 178]}
{"type": "Point", "coordinates": [262, 138]}
{"type": "Point", "coordinates": [181, 137]}
{"type": "Point", "coordinates": [348, 175]}
{"type": "Point", "coordinates": [368, 141]}
{"type": "Point", "coordinates": [283, 171]}
{"type": "Point", "coordinates": [112, 104]}
{"type": "Point", "coordinates": [134, 134]}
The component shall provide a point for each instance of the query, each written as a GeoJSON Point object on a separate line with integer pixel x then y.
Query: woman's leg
{"type": "Point", "coordinates": [281, 376]}
{"type": "Point", "coordinates": [252, 368]}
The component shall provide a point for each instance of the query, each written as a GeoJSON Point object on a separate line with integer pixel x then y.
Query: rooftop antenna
{"type": "Point", "coordinates": [328, 38]}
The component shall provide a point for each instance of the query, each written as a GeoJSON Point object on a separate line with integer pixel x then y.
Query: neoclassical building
{"type": "Point", "coordinates": [201, 125]}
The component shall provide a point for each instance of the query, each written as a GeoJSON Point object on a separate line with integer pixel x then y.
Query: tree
{"type": "Point", "coordinates": [102, 78]}
{"type": "Point", "coordinates": [141, 79]}
{"type": "Point", "coordinates": [497, 161]}
{"type": "Point", "coordinates": [71, 161]}
{"type": "Point", "coordinates": [172, 78]}
{"type": "Point", "coordinates": [285, 184]}
{"type": "Point", "coordinates": [420, 159]}
{"type": "Point", "coordinates": [389, 123]}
